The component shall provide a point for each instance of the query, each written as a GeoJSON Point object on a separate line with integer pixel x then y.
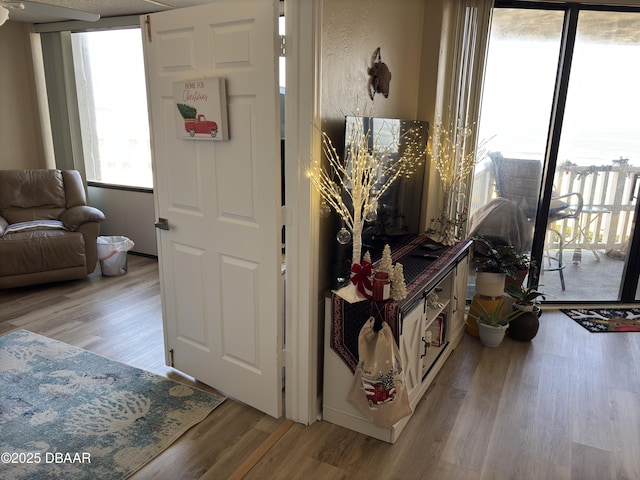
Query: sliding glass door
{"type": "Point", "coordinates": [561, 101]}
{"type": "Point", "coordinates": [598, 157]}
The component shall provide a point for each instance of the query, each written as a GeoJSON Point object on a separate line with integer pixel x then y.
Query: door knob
{"type": "Point", "coordinates": [162, 224]}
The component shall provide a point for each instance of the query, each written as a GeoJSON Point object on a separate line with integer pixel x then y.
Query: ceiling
{"type": "Point", "coordinates": [106, 8]}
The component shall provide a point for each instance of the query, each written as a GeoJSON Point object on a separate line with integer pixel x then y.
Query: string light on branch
{"type": "Point", "coordinates": [373, 162]}
{"type": "Point", "coordinates": [453, 154]}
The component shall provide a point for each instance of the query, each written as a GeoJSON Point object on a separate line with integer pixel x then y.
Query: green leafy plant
{"type": "Point", "coordinates": [489, 257]}
{"type": "Point", "coordinates": [524, 262]}
{"type": "Point", "coordinates": [524, 295]}
{"type": "Point", "coordinates": [495, 318]}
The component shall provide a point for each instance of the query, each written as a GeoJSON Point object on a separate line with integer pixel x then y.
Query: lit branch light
{"type": "Point", "coordinates": [369, 169]}
{"type": "Point", "coordinates": [454, 159]}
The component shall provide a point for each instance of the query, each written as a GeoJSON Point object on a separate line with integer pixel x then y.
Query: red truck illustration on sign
{"type": "Point", "coordinates": [200, 125]}
{"type": "Point", "coordinates": [201, 109]}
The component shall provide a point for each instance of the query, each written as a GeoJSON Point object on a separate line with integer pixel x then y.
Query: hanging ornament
{"type": "Point", "coordinates": [344, 236]}
{"type": "Point", "coordinates": [371, 214]}
{"type": "Point", "coordinates": [325, 210]}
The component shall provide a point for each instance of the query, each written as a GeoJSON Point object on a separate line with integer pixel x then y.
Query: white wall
{"type": "Point", "coordinates": [128, 213]}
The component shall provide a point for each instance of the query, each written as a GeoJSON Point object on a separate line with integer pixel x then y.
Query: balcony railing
{"type": "Point", "coordinates": [608, 193]}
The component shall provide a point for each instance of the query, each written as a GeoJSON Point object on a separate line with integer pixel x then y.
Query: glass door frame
{"type": "Point", "coordinates": [631, 272]}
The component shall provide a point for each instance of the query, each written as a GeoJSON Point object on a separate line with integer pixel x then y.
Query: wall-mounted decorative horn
{"type": "Point", "coordinates": [379, 76]}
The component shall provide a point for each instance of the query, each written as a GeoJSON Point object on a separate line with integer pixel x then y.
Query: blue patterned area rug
{"type": "Point", "coordinates": [606, 319]}
{"type": "Point", "coordinates": [66, 413]}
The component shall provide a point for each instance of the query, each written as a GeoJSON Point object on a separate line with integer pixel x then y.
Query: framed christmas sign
{"type": "Point", "coordinates": [201, 109]}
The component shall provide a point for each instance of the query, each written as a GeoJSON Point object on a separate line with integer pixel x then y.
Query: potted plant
{"type": "Point", "coordinates": [523, 265]}
{"type": "Point", "coordinates": [492, 264]}
{"type": "Point", "coordinates": [492, 325]}
{"type": "Point", "coordinates": [526, 326]}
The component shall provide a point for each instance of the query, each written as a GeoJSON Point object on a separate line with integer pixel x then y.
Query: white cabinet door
{"type": "Point", "coordinates": [459, 299]}
{"type": "Point", "coordinates": [411, 349]}
{"type": "Point", "coordinates": [220, 260]}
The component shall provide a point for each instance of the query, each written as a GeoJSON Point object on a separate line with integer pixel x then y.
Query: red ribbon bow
{"type": "Point", "coordinates": [361, 278]}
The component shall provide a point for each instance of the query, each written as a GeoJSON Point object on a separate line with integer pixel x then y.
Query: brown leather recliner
{"type": "Point", "coordinates": [47, 231]}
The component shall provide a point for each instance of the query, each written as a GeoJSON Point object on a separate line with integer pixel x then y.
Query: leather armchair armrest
{"type": "Point", "coordinates": [3, 225]}
{"type": "Point", "coordinates": [75, 216]}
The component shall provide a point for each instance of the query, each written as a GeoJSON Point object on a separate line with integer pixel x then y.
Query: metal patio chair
{"type": "Point", "coordinates": [519, 181]}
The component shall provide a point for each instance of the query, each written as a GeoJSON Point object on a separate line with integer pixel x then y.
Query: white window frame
{"type": "Point", "coordinates": [64, 116]}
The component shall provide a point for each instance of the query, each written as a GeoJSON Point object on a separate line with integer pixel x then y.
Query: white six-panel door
{"type": "Point", "coordinates": [220, 259]}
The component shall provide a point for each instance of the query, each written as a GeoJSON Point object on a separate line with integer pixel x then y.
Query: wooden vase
{"type": "Point", "coordinates": [525, 327]}
{"type": "Point", "coordinates": [519, 280]}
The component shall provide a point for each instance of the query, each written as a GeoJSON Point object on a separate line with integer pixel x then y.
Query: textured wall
{"type": "Point", "coordinates": [408, 34]}
{"type": "Point", "coordinates": [351, 33]}
{"type": "Point", "coordinates": [20, 130]}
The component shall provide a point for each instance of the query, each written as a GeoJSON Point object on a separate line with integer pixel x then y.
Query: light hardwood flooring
{"type": "Point", "coordinates": [565, 406]}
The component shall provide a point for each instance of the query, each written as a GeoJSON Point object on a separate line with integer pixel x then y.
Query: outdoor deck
{"type": "Point", "coordinates": [604, 225]}
{"type": "Point", "coordinates": [589, 281]}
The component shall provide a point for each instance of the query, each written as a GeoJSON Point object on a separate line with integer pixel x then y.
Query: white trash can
{"type": "Point", "coordinates": [112, 253]}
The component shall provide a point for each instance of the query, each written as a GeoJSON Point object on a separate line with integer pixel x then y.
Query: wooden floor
{"type": "Point", "coordinates": [565, 406]}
